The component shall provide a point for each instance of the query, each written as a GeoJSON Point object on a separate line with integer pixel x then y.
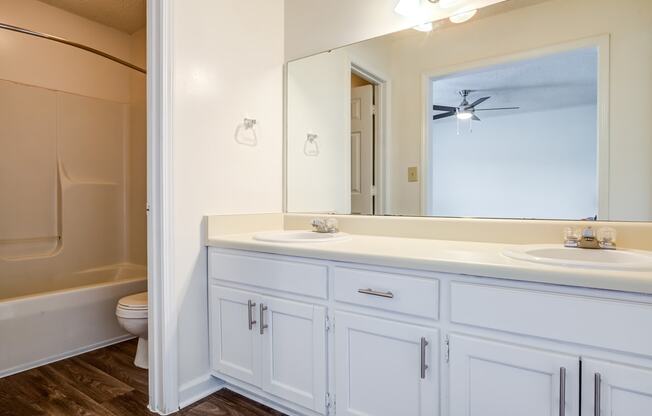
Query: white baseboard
{"type": "Point", "coordinates": [197, 389]}
{"type": "Point", "coordinates": [64, 355]}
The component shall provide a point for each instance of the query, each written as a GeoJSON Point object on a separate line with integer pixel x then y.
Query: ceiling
{"type": "Point", "coordinates": [124, 15]}
{"type": "Point", "coordinates": [560, 80]}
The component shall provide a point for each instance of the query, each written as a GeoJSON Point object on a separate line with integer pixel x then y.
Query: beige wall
{"type": "Point", "coordinates": [628, 22]}
{"type": "Point", "coordinates": [72, 149]}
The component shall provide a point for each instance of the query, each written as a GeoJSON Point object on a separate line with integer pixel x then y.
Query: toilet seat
{"type": "Point", "coordinates": [132, 306]}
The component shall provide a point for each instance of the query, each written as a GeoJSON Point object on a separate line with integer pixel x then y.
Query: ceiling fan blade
{"type": "Point", "coordinates": [499, 108]}
{"type": "Point", "coordinates": [478, 102]}
{"type": "Point", "coordinates": [443, 115]}
{"type": "Point", "coordinates": [476, 118]}
{"type": "Point", "coordinates": [443, 108]}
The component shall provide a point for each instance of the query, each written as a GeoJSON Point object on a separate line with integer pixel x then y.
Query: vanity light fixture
{"type": "Point", "coordinates": [463, 17]}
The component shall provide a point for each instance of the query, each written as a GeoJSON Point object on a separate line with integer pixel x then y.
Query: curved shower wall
{"type": "Point", "coordinates": [72, 173]}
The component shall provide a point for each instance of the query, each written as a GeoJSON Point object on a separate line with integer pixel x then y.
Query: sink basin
{"type": "Point", "coordinates": [300, 237]}
{"type": "Point", "coordinates": [557, 255]}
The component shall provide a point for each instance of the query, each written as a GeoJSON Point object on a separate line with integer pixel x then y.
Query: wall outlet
{"type": "Point", "coordinates": [413, 174]}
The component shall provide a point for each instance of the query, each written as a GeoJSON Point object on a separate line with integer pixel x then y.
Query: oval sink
{"type": "Point", "coordinates": [300, 237]}
{"type": "Point", "coordinates": [557, 255]}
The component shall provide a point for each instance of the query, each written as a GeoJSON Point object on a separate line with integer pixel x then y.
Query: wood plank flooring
{"type": "Point", "coordinates": [104, 383]}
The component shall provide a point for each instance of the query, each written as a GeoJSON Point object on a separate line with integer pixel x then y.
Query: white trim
{"type": "Point", "coordinates": [197, 389]}
{"type": "Point", "coordinates": [163, 345]}
{"type": "Point", "coordinates": [64, 355]}
{"type": "Point", "coordinates": [602, 42]}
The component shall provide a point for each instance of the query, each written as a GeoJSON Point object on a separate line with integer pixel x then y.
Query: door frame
{"type": "Point", "coordinates": [162, 310]}
{"type": "Point", "coordinates": [600, 42]}
{"type": "Point", "coordinates": [382, 96]}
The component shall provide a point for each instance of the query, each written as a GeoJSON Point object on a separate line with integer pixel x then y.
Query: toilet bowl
{"type": "Point", "coordinates": [132, 316]}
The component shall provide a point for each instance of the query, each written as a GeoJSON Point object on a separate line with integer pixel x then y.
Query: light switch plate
{"type": "Point", "coordinates": [413, 174]}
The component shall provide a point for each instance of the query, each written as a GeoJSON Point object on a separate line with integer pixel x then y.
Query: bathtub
{"type": "Point", "coordinates": [69, 315]}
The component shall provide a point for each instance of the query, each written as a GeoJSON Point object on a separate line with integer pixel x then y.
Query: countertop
{"type": "Point", "coordinates": [457, 257]}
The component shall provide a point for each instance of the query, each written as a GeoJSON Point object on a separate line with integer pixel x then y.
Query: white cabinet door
{"type": "Point", "coordinates": [234, 342]}
{"type": "Point", "coordinates": [294, 351]}
{"type": "Point", "coordinates": [619, 390]}
{"type": "Point", "coordinates": [490, 378]}
{"type": "Point", "coordinates": [378, 368]}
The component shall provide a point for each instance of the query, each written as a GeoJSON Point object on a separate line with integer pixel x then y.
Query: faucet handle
{"type": "Point", "coordinates": [607, 237]}
{"type": "Point", "coordinates": [571, 237]}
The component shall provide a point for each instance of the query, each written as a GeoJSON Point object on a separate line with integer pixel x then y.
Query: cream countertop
{"type": "Point", "coordinates": [456, 257]}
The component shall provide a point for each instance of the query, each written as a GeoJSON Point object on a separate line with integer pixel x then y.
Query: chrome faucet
{"type": "Point", "coordinates": [324, 225]}
{"type": "Point", "coordinates": [605, 238]}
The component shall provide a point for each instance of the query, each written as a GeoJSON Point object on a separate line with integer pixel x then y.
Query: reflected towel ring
{"type": "Point", "coordinates": [245, 133]}
{"type": "Point", "coordinates": [311, 147]}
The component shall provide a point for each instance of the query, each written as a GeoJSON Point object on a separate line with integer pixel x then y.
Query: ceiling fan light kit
{"type": "Point", "coordinates": [465, 111]}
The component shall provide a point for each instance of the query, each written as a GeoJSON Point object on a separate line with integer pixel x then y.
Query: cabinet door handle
{"type": "Point", "coordinates": [263, 308]}
{"type": "Point", "coordinates": [388, 295]}
{"type": "Point", "coordinates": [424, 366]}
{"type": "Point", "coordinates": [597, 386]}
{"type": "Point", "coordinates": [562, 391]}
{"type": "Point", "coordinates": [251, 305]}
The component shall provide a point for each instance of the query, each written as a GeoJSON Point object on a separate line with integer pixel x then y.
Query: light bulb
{"type": "Point", "coordinates": [424, 27]}
{"type": "Point", "coordinates": [408, 8]}
{"type": "Point", "coordinates": [463, 17]}
{"type": "Point", "coordinates": [464, 115]}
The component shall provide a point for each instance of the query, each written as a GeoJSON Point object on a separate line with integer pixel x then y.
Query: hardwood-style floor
{"type": "Point", "coordinates": [105, 383]}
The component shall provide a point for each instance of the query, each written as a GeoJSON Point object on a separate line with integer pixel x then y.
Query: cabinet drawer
{"type": "Point", "coordinates": [401, 293]}
{"type": "Point", "coordinates": [277, 274]}
{"type": "Point", "coordinates": [606, 323]}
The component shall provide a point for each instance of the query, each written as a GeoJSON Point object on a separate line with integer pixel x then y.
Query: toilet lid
{"type": "Point", "coordinates": [122, 312]}
{"type": "Point", "coordinates": [134, 302]}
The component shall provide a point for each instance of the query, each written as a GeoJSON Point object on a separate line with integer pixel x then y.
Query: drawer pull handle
{"type": "Point", "coordinates": [263, 308]}
{"type": "Point", "coordinates": [388, 295]}
{"type": "Point", "coordinates": [562, 391]}
{"type": "Point", "coordinates": [251, 305]}
{"type": "Point", "coordinates": [597, 386]}
{"type": "Point", "coordinates": [424, 366]}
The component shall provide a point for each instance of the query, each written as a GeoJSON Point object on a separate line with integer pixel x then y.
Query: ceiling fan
{"type": "Point", "coordinates": [465, 111]}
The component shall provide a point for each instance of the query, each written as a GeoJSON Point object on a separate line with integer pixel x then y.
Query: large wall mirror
{"type": "Point", "coordinates": [530, 109]}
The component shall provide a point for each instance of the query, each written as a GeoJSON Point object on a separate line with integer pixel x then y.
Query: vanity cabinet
{"type": "Point", "coordinates": [276, 345]}
{"type": "Point", "coordinates": [615, 389]}
{"type": "Point", "coordinates": [384, 368]}
{"type": "Point", "coordinates": [315, 337]}
{"type": "Point", "coordinates": [493, 378]}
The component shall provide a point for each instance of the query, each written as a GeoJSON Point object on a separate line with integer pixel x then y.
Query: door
{"type": "Point", "coordinates": [294, 351]}
{"type": "Point", "coordinates": [384, 368]}
{"type": "Point", "coordinates": [618, 390]}
{"type": "Point", "coordinates": [490, 378]}
{"type": "Point", "coordinates": [362, 150]}
{"type": "Point", "coordinates": [234, 341]}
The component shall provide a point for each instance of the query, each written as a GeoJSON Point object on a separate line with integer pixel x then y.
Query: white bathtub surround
{"type": "Point", "coordinates": [445, 318]}
{"type": "Point", "coordinates": [65, 321]}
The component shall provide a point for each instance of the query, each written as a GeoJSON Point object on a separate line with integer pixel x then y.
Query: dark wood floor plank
{"type": "Point", "coordinates": [120, 366]}
{"type": "Point", "coordinates": [104, 382]}
{"type": "Point", "coordinates": [88, 379]}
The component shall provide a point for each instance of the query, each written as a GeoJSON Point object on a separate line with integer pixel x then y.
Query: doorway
{"type": "Point", "coordinates": [365, 117]}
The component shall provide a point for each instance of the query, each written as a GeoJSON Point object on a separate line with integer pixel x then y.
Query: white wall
{"type": "Point", "coordinates": [318, 102]}
{"type": "Point", "coordinates": [228, 64]}
{"type": "Point", "coordinates": [313, 26]}
{"type": "Point", "coordinates": [539, 164]}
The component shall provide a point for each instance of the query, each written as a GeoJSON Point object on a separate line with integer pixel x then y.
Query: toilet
{"type": "Point", "coordinates": [132, 316]}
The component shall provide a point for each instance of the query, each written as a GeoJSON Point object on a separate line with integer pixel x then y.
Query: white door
{"type": "Point", "coordinates": [234, 342]}
{"type": "Point", "coordinates": [380, 368]}
{"type": "Point", "coordinates": [294, 351]}
{"type": "Point", "coordinates": [490, 378]}
{"type": "Point", "coordinates": [619, 390]}
{"type": "Point", "coordinates": [362, 150]}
